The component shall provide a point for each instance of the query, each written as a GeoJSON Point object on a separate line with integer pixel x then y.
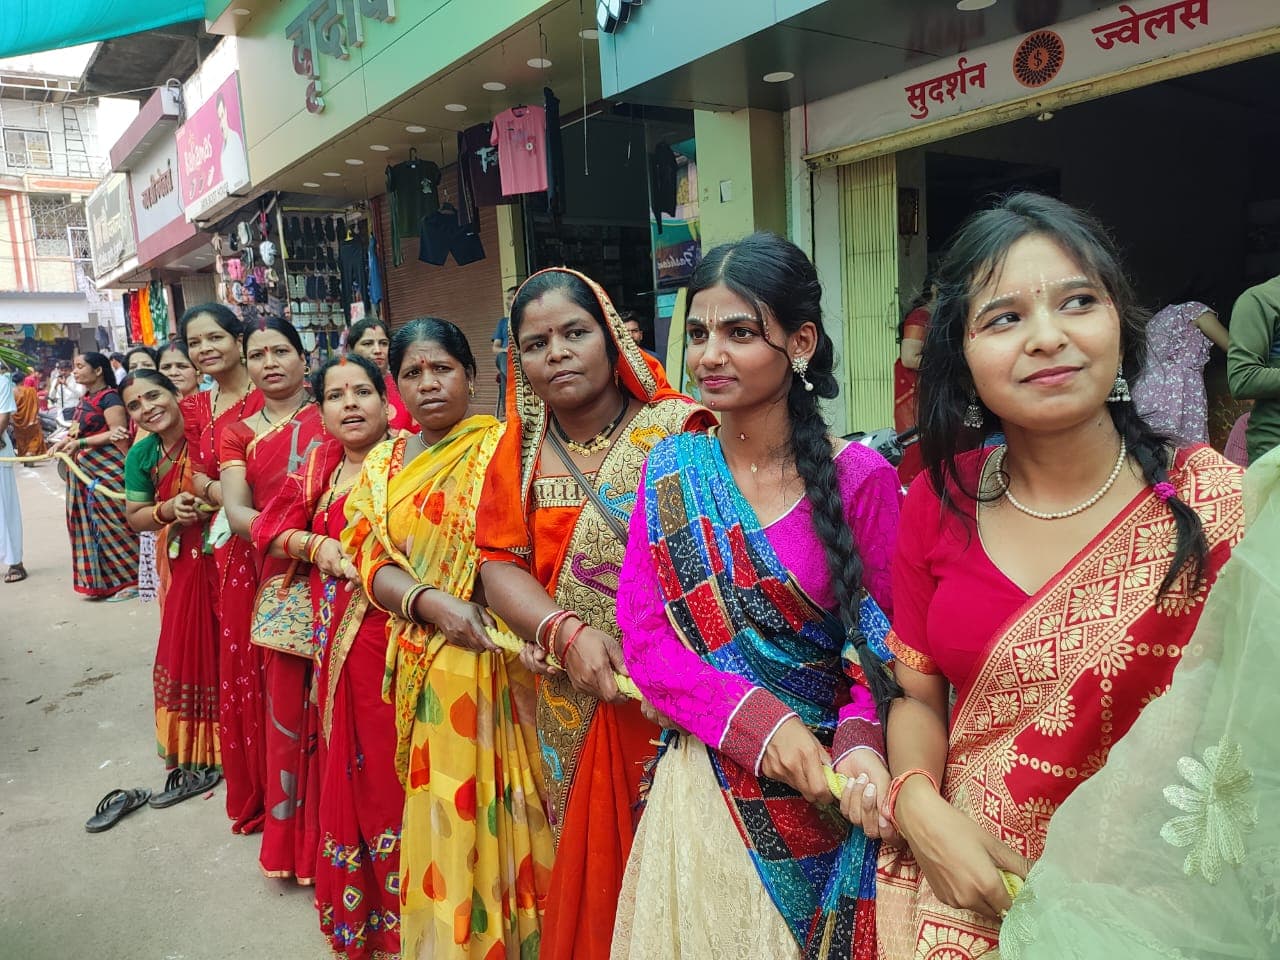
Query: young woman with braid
{"type": "Point", "coordinates": [758, 554]}
{"type": "Point", "coordinates": [1051, 582]}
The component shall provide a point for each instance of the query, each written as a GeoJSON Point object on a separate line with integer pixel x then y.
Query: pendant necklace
{"type": "Point", "coordinates": [597, 443]}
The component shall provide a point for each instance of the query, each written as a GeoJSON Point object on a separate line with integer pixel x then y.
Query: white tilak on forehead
{"type": "Point", "coordinates": [1035, 291]}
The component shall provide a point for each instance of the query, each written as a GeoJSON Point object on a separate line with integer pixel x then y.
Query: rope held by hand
{"type": "Point", "coordinates": [99, 491]}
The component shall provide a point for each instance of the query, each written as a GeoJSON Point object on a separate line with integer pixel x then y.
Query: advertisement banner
{"type": "Point", "coordinates": [111, 239]}
{"type": "Point", "coordinates": [1109, 40]}
{"type": "Point", "coordinates": [212, 162]}
{"type": "Point", "coordinates": [677, 248]}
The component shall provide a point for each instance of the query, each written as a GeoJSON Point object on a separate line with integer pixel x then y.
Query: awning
{"type": "Point", "coordinates": [34, 25]}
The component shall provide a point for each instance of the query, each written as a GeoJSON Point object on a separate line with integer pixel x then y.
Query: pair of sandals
{"type": "Point", "coordinates": [180, 785]}
{"type": "Point", "coordinates": [17, 573]}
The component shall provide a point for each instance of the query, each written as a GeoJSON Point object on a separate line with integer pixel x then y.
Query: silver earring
{"type": "Point", "coordinates": [973, 418]}
{"type": "Point", "coordinates": [1120, 390]}
{"type": "Point", "coordinates": [800, 364]}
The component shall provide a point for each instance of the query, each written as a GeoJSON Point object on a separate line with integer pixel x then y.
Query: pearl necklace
{"type": "Point", "coordinates": [1062, 514]}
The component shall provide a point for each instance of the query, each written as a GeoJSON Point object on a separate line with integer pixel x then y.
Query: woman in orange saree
{"type": "Point", "coordinates": [28, 438]}
{"type": "Point", "coordinates": [211, 333]}
{"type": "Point", "coordinates": [584, 407]}
{"type": "Point", "coordinates": [256, 455]}
{"type": "Point", "coordinates": [1052, 582]}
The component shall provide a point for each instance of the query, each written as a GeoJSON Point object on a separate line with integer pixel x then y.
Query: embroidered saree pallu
{"type": "Point", "coordinates": [1059, 684]}
{"type": "Point", "coordinates": [738, 608]}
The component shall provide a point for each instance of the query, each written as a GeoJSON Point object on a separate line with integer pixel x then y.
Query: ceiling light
{"type": "Point", "coordinates": [1044, 115]}
{"type": "Point", "coordinates": [971, 5]}
{"type": "Point", "coordinates": [353, 162]}
{"type": "Point", "coordinates": [241, 11]}
{"type": "Point", "coordinates": [309, 183]}
{"type": "Point", "coordinates": [332, 173]}
{"type": "Point", "coordinates": [589, 34]}
{"type": "Point", "coordinates": [779, 76]}
{"type": "Point", "coordinates": [539, 63]}
{"type": "Point", "coordinates": [494, 85]}
{"type": "Point", "coordinates": [456, 107]}
{"type": "Point", "coordinates": [414, 128]}
{"type": "Point", "coordinates": [379, 147]}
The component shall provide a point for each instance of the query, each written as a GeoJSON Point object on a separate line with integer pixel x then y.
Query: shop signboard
{"type": "Point", "coordinates": [677, 248]}
{"type": "Point", "coordinates": [1107, 41]}
{"type": "Point", "coordinates": [330, 28]}
{"type": "Point", "coordinates": [111, 239]}
{"type": "Point", "coordinates": [212, 162]}
{"type": "Point", "coordinates": [157, 204]}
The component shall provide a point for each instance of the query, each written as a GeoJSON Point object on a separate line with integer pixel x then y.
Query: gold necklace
{"type": "Point", "coordinates": [272, 427]}
{"type": "Point", "coordinates": [597, 443]}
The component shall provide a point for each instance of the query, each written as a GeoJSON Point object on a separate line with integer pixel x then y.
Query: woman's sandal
{"type": "Point", "coordinates": [113, 807]}
{"type": "Point", "coordinates": [17, 573]}
{"type": "Point", "coordinates": [185, 784]}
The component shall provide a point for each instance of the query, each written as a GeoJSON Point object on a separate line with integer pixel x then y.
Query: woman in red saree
{"type": "Point", "coordinates": [360, 798]}
{"type": "Point", "coordinates": [256, 455]}
{"type": "Point", "coordinates": [585, 400]}
{"type": "Point", "coordinates": [212, 335]}
{"type": "Point", "coordinates": [158, 484]}
{"type": "Point", "coordinates": [369, 338]}
{"type": "Point", "coordinates": [1052, 582]}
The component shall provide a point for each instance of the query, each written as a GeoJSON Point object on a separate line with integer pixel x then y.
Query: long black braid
{"type": "Point", "coordinates": [776, 276]}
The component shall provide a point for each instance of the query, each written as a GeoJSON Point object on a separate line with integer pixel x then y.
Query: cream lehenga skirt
{"type": "Point", "coordinates": [690, 888]}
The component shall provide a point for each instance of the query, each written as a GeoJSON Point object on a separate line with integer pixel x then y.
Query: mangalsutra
{"type": "Point", "coordinates": [597, 443]}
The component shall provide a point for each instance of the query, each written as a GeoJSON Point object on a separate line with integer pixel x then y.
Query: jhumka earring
{"type": "Point", "coordinates": [800, 365]}
{"type": "Point", "coordinates": [973, 418]}
{"type": "Point", "coordinates": [1120, 390]}
{"type": "Point", "coordinates": [471, 389]}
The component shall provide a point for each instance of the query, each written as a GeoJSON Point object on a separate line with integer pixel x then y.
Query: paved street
{"type": "Point", "coordinates": [75, 722]}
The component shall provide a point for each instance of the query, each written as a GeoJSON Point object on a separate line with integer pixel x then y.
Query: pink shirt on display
{"type": "Point", "coordinates": [520, 134]}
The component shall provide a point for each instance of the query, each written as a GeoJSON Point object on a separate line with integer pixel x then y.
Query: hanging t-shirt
{"type": "Point", "coordinates": [353, 266]}
{"type": "Point", "coordinates": [555, 152]}
{"type": "Point", "coordinates": [479, 182]}
{"type": "Point", "coordinates": [662, 182]}
{"type": "Point", "coordinates": [411, 191]}
{"type": "Point", "coordinates": [520, 134]}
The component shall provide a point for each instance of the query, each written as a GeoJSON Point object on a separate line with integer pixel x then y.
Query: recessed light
{"type": "Point", "coordinates": [779, 76]}
{"type": "Point", "coordinates": [1044, 115]}
{"type": "Point", "coordinates": [539, 63]}
{"type": "Point", "coordinates": [332, 173]}
{"type": "Point", "coordinates": [971, 5]}
{"type": "Point", "coordinates": [353, 162]}
{"type": "Point", "coordinates": [310, 183]}
{"type": "Point", "coordinates": [379, 147]}
{"type": "Point", "coordinates": [456, 107]}
{"type": "Point", "coordinates": [589, 34]}
{"type": "Point", "coordinates": [494, 85]}
{"type": "Point", "coordinates": [414, 128]}
{"type": "Point", "coordinates": [241, 11]}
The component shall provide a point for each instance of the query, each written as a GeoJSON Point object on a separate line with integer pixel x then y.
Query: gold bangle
{"type": "Point", "coordinates": [155, 515]}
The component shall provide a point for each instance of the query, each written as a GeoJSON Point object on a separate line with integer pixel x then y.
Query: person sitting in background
{"type": "Point", "coordinates": [1170, 394]}
{"type": "Point", "coordinates": [1253, 362]}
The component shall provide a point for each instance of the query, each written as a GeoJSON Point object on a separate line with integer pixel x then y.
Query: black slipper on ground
{"type": "Point", "coordinates": [113, 807]}
{"type": "Point", "coordinates": [17, 573]}
{"type": "Point", "coordinates": [183, 785]}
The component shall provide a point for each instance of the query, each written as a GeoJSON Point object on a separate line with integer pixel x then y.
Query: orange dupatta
{"type": "Point", "coordinates": [546, 525]}
{"type": "Point", "coordinates": [1058, 685]}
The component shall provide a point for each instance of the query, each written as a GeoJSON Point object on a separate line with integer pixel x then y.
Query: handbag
{"type": "Point", "coordinates": [282, 615]}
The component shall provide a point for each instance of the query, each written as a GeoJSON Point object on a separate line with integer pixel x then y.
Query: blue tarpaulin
{"type": "Point", "coordinates": [30, 26]}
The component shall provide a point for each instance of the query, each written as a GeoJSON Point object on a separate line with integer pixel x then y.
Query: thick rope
{"type": "Point", "coordinates": [99, 489]}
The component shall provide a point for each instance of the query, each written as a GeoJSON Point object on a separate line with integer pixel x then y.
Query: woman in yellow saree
{"type": "Point", "coordinates": [476, 846]}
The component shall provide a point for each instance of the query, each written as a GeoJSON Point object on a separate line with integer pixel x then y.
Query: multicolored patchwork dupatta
{"type": "Point", "coordinates": [738, 608]}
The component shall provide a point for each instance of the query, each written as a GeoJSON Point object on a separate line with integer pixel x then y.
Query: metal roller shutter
{"type": "Point", "coordinates": [469, 296]}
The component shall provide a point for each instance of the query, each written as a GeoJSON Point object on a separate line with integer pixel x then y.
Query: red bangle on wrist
{"type": "Point", "coordinates": [891, 801]}
{"type": "Point", "coordinates": [547, 638]}
{"type": "Point", "coordinates": [564, 651]}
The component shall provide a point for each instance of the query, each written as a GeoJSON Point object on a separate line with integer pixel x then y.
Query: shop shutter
{"type": "Point", "coordinates": [469, 296]}
{"type": "Point", "coordinates": [869, 237]}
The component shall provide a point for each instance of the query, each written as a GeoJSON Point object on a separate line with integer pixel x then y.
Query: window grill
{"type": "Point", "coordinates": [27, 149]}
{"type": "Point", "coordinates": [59, 227]}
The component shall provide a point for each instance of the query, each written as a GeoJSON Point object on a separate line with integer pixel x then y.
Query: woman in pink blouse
{"type": "Point", "coordinates": [743, 605]}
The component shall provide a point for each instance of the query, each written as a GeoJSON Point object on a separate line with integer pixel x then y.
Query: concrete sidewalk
{"type": "Point", "coordinates": [75, 722]}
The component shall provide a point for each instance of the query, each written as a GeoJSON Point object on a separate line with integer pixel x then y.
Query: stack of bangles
{"type": "Point", "coordinates": [204, 494]}
{"type": "Point", "coordinates": [891, 801]}
{"type": "Point", "coordinates": [410, 598]}
{"type": "Point", "coordinates": [549, 631]}
{"type": "Point", "coordinates": [155, 514]}
{"type": "Point", "coordinates": [311, 544]}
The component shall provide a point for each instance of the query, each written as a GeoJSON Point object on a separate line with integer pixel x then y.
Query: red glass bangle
{"type": "Point", "coordinates": [564, 652]}
{"type": "Point", "coordinates": [891, 802]}
{"type": "Point", "coordinates": [549, 630]}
